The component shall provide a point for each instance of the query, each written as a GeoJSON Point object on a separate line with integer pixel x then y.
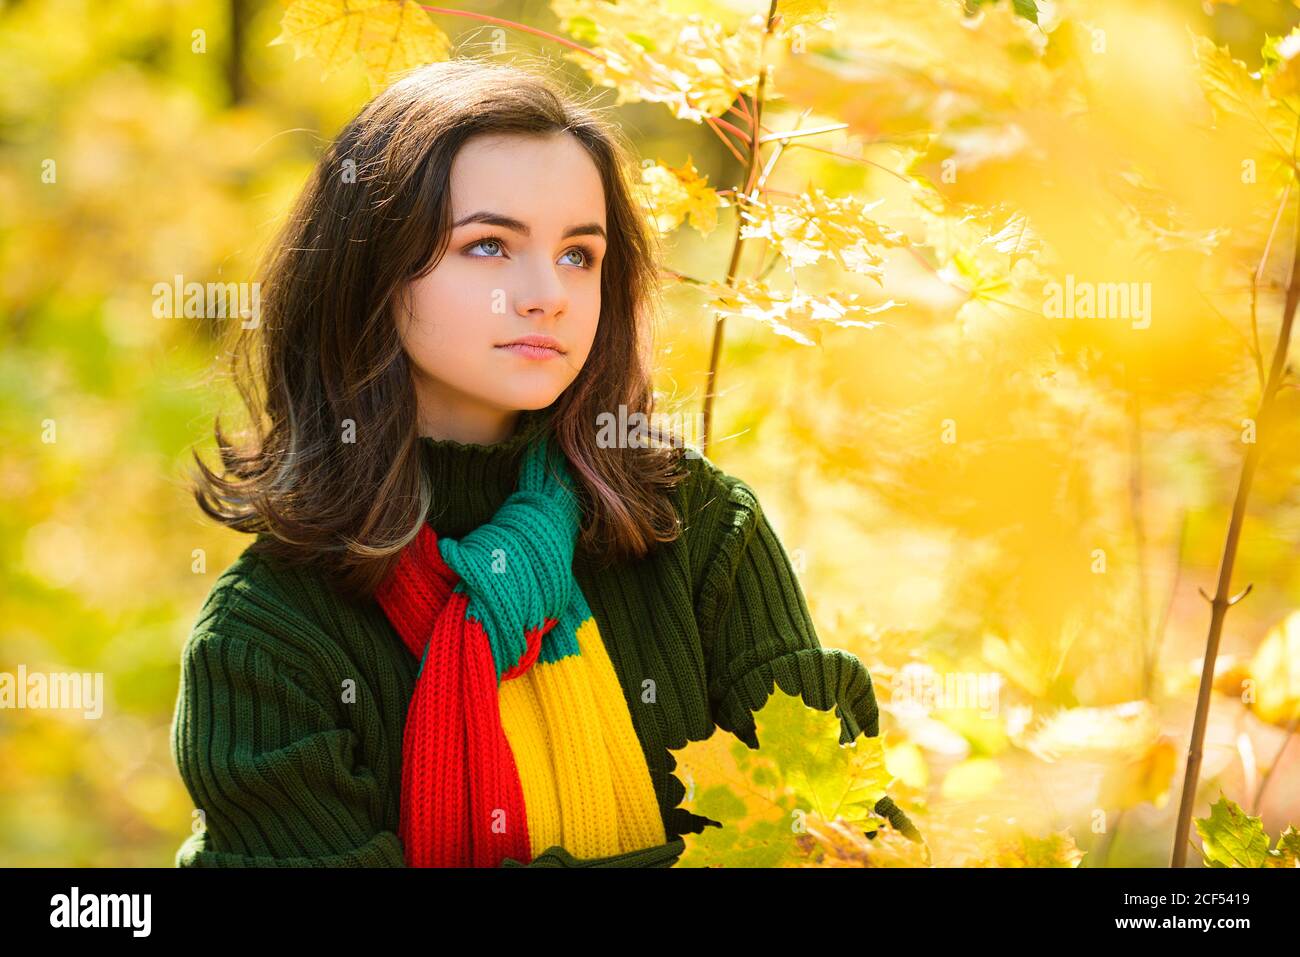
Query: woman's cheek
{"type": "Point", "coordinates": [450, 312]}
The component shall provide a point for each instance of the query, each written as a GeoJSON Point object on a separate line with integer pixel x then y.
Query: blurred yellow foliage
{"type": "Point", "coordinates": [998, 321]}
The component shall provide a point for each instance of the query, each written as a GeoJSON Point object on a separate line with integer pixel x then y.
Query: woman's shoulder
{"type": "Point", "coordinates": [718, 510]}
{"type": "Point", "coordinates": [286, 611]}
{"type": "Point", "coordinates": [706, 486]}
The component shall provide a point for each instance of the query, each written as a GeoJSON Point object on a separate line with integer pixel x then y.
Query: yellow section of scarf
{"type": "Point", "coordinates": [584, 776]}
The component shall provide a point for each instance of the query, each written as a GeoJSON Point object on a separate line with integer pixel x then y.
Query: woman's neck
{"type": "Point", "coordinates": [476, 426]}
{"type": "Point", "coordinates": [470, 480]}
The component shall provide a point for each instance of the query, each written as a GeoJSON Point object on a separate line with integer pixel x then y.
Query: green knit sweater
{"type": "Point", "coordinates": [288, 724]}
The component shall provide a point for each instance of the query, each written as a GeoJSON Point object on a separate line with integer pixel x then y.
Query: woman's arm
{"type": "Point", "coordinates": [266, 761]}
{"type": "Point", "coordinates": [756, 631]}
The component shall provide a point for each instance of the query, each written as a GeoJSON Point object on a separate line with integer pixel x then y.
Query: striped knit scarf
{"type": "Point", "coordinates": [518, 736]}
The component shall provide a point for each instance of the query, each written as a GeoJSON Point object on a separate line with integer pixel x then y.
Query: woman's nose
{"type": "Point", "coordinates": [541, 288]}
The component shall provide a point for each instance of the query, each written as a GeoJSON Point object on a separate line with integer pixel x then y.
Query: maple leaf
{"type": "Point", "coordinates": [1113, 733]}
{"type": "Point", "coordinates": [1281, 70]}
{"type": "Point", "coordinates": [795, 315]}
{"type": "Point", "coordinates": [1288, 849]}
{"type": "Point", "coordinates": [673, 193]}
{"type": "Point", "coordinates": [1232, 838]}
{"type": "Point", "coordinates": [794, 13]}
{"type": "Point", "coordinates": [1017, 239]}
{"type": "Point", "coordinates": [836, 844]}
{"type": "Point", "coordinates": [389, 36]}
{"type": "Point", "coordinates": [1275, 671]}
{"type": "Point", "coordinates": [817, 225]}
{"type": "Point", "coordinates": [693, 64]}
{"type": "Point", "coordinates": [1101, 733]}
{"type": "Point", "coordinates": [1235, 94]}
{"type": "Point", "coordinates": [1146, 779]}
{"type": "Point", "coordinates": [765, 798]}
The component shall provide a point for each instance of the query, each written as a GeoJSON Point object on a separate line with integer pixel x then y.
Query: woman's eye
{"type": "Point", "coordinates": [494, 249]}
{"type": "Point", "coordinates": [586, 257]}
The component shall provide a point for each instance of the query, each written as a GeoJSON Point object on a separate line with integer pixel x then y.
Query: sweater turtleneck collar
{"type": "Point", "coordinates": [471, 481]}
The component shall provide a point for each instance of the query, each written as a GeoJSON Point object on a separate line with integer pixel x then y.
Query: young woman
{"type": "Point", "coordinates": [471, 625]}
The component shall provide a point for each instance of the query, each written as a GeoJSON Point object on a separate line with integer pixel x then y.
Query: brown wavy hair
{"type": "Point", "coordinates": [375, 214]}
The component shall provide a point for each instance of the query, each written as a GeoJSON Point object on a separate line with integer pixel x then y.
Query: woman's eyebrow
{"type": "Point", "coordinates": [509, 222]}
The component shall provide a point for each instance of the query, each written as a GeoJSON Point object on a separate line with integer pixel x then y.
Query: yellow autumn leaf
{"type": "Point", "coordinates": [1098, 734]}
{"type": "Point", "coordinates": [765, 798]}
{"type": "Point", "coordinates": [816, 225]}
{"type": "Point", "coordinates": [1275, 670]}
{"type": "Point", "coordinates": [836, 844]}
{"type": "Point", "coordinates": [1241, 100]}
{"type": "Point", "coordinates": [1232, 837]}
{"type": "Point", "coordinates": [389, 36]}
{"type": "Point", "coordinates": [795, 315]}
{"type": "Point", "coordinates": [1144, 780]}
{"type": "Point", "coordinates": [693, 64]}
{"type": "Point", "coordinates": [1281, 70]}
{"type": "Point", "coordinates": [674, 193]}
{"type": "Point", "coordinates": [794, 13]}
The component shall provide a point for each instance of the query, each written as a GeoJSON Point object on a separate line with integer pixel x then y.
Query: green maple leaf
{"type": "Point", "coordinates": [1287, 852]}
{"type": "Point", "coordinates": [1232, 838]}
{"type": "Point", "coordinates": [763, 797]}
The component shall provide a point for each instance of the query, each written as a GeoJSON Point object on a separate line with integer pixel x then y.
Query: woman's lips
{"type": "Point", "coordinates": [531, 352]}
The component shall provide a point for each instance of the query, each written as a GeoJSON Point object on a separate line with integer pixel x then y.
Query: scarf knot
{"type": "Point", "coordinates": [517, 570]}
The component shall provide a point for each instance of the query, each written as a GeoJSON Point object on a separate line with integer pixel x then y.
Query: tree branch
{"type": "Point", "coordinates": [1221, 601]}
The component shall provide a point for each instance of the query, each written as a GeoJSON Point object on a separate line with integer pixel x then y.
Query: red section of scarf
{"type": "Point", "coordinates": [462, 804]}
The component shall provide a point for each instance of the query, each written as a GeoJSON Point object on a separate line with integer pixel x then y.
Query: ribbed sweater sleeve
{"type": "Point", "coordinates": [263, 757]}
{"type": "Point", "coordinates": [757, 630]}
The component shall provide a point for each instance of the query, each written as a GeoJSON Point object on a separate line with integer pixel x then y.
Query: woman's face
{"type": "Point", "coordinates": [524, 259]}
